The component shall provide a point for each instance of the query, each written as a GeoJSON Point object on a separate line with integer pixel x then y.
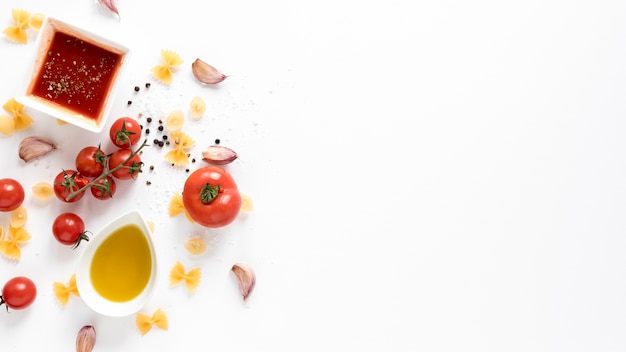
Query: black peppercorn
{"type": "Point", "coordinates": [147, 131]}
{"type": "Point", "coordinates": [136, 88]}
{"type": "Point", "coordinates": [129, 102]}
{"type": "Point", "coordinates": [149, 119]}
{"type": "Point", "coordinates": [148, 85]}
{"type": "Point", "coordinates": [165, 137]}
{"type": "Point", "coordinates": [160, 128]}
{"type": "Point", "coordinates": [217, 141]}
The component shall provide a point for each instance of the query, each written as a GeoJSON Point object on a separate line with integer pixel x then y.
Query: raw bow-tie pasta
{"type": "Point", "coordinates": [62, 292]}
{"type": "Point", "coordinates": [191, 278]}
{"type": "Point", "coordinates": [182, 144]}
{"type": "Point", "coordinates": [145, 322]}
{"type": "Point", "coordinates": [20, 119]}
{"type": "Point", "coordinates": [11, 247]}
{"type": "Point", "coordinates": [176, 206]}
{"type": "Point", "coordinates": [17, 32]}
{"type": "Point", "coordinates": [163, 72]}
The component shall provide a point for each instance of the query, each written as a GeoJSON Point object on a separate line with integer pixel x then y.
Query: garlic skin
{"type": "Point", "coordinates": [246, 277]}
{"type": "Point", "coordinates": [34, 147]}
{"type": "Point", "coordinates": [219, 155]}
{"type": "Point", "coordinates": [86, 339]}
{"type": "Point", "coordinates": [206, 73]}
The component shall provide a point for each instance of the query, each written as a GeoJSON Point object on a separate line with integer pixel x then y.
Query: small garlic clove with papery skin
{"type": "Point", "coordinates": [218, 155]}
{"type": "Point", "coordinates": [86, 339]}
{"type": "Point", "coordinates": [246, 277]}
{"type": "Point", "coordinates": [35, 146]}
{"type": "Point", "coordinates": [206, 73]}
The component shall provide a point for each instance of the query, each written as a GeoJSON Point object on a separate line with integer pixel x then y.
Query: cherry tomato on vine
{"type": "Point", "coordinates": [69, 229]}
{"type": "Point", "coordinates": [211, 197]}
{"type": "Point", "coordinates": [68, 181]}
{"type": "Point", "coordinates": [11, 194]}
{"type": "Point", "coordinates": [90, 161]}
{"type": "Point", "coordinates": [131, 168]}
{"type": "Point", "coordinates": [125, 132]}
{"type": "Point", "coordinates": [104, 188]}
{"type": "Point", "coordinates": [18, 293]}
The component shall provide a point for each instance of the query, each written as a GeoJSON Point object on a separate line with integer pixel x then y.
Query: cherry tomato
{"type": "Point", "coordinates": [18, 293]}
{"type": "Point", "coordinates": [11, 194]}
{"type": "Point", "coordinates": [131, 168]}
{"type": "Point", "coordinates": [69, 229]}
{"type": "Point", "coordinates": [125, 132]}
{"type": "Point", "coordinates": [104, 188]}
{"type": "Point", "coordinates": [211, 197]}
{"type": "Point", "coordinates": [68, 181]}
{"type": "Point", "coordinates": [90, 161]}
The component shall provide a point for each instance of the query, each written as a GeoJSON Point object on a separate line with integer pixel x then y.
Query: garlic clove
{"type": "Point", "coordinates": [246, 277]}
{"type": "Point", "coordinates": [34, 147]}
{"type": "Point", "coordinates": [206, 73]}
{"type": "Point", "coordinates": [219, 155]}
{"type": "Point", "coordinates": [110, 5]}
{"type": "Point", "coordinates": [86, 339]}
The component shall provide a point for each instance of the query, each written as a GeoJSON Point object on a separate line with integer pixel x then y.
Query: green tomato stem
{"type": "Point", "coordinates": [209, 193]}
{"type": "Point", "coordinates": [107, 172]}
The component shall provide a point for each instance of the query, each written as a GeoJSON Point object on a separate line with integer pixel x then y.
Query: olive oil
{"type": "Point", "coordinates": [122, 265]}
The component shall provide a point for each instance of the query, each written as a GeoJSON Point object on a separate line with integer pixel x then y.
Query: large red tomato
{"type": "Point", "coordinates": [211, 197]}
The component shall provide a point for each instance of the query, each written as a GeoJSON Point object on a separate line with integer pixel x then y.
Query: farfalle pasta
{"type": "Point", "coordinates": [163, 72]}
{"type": "Point", "coordinates": [176, 206]}
{"type": "Point", "coordinates": [191, 278]}
{"type": "Point", "coordinates": [62, 292]}
{"type": "Point", "coordinates": [17, 32]}
{"type": "Point", "coordinates": [21, 120]}
{"type": "Point", "coordinates": [145, 322]}
{"type": "Point", "coordinates": [182, 143]}
{"type": "Point", "coordinates": [10, 247]}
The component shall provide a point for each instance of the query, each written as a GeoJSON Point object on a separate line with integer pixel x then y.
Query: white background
{"type": "Point", "coordinates": [427, 176]}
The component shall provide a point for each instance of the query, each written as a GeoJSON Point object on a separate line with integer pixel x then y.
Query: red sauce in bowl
{"type": "Point", "coordinates": [76, 74]}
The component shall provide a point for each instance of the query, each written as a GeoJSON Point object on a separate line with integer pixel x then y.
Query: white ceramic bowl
{"type": "Point", "coordinates": [59, 94]}
{"type": "Point", "coordinates": [84, 282]}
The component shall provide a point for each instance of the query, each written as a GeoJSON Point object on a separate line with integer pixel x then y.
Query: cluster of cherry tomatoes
{"type": "Point", "coordinates": [99, 171]}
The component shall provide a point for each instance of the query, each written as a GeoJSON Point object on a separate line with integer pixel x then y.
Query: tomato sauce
{"type": "Point", "coordinates": [76, 74]}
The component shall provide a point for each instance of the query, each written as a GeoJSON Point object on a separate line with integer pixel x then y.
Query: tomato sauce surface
{"type": "Point", "coordinates": [76, 74]}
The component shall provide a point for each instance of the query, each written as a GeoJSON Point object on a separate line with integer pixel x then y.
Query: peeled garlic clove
{"type": "Point", "coordinates": [218, 155]}
{"type": "Point", "coordinates": [86, 339]}
{"type": "Point", "coordinates": [246, 277]}
{"type": "Point", "coordinates": [206, 73]}
{"type": "Point", "coordinates": [35, 146]}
